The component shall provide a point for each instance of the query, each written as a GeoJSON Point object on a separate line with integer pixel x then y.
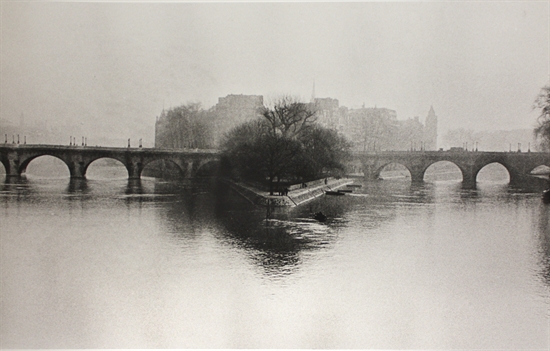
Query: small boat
{"type": "Point", "coordinates": [345, 191]}
{"type": "Point", "coordinates": [320, 217]}
{"type": "Point", "coordinates": [546, 196]}
{"type": "Point", "coordinates": [354, 185]}
{"type": "Point", "coordinates": [334, 193]}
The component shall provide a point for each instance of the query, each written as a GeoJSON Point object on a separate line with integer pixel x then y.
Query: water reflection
{"type": "Point", "coordinates": [269, 244]}
{"type": "Point", "coordinates": [183, 209]}
{"type": "Point", "coordinates": [468, 195]}
{"type": "Point", "coordinates": [531, 184]}
{"type": "Point", "coordinates": [134, 187]}
{"type": "Point", "coordinates": [543, 227]}
{"type": "Point", "coordinates": [18, 186]}
{"type": "Point", "coordinates": [427, 265]}
{"type": "Point", "coordinates": [274, 244]}
{"type": "Point", "coordinates": [187, 210]}
{"type": "Point", "coordinates": [270, 237]}
{"type": "Point", "coordinates": [77, 186]}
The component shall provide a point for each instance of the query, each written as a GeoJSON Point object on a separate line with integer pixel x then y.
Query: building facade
{"type": "Point", "coordinates": [329, 113]}
{"type": "Point", "coordinates": [430, 131]}
{"type": "Point", "coordinates": [189, 126]}
{"type": "Point", "coordinates": [368, 128]}
{"type": "Point", "coordinates": [232, 110]}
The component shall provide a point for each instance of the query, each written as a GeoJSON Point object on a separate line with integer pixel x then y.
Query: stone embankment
{"type": "Point", "coordinates": [297, 194]}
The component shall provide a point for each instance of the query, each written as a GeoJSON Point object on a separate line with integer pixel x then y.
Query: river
{"type": "Point", "coordinates": [112, 263]}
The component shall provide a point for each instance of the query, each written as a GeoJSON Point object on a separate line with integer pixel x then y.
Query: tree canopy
{"type": "Point", "coordinates": [285, 144]}
{"type": "Point", "coordinates": [186, 126]}
{"type": "Point", "coordinates": [376, 129]}
{"type": "Point", "coordinates": [288, 117]}
{"type": "Point", "coordinates": [323, 151]}
{"type": "Point", "coordinates": [542, 130]}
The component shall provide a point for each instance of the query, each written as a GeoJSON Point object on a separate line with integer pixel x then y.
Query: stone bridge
{"type": "Point", "coordinates": [519, 165]}
{"type": "Point", "coordinates": [16, 158]}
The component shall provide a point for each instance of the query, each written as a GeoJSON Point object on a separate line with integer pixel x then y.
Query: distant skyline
{"type": "Point", "coordinates": [116, 65]}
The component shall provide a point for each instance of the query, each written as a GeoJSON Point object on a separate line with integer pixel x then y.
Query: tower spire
{"type": "Point", "coordinates": [313, 92]}
{"type": "Point", "coordinates": [430, 131]}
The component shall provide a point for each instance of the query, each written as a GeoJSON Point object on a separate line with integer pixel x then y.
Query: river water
{"type": "Point", "coordinates": [110, 263]}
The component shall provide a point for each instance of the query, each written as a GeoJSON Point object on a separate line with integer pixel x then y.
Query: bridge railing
{"type": "Point", "coordinates": [103, 148]}
{"type": "Point", "coordinates": [445, 152]}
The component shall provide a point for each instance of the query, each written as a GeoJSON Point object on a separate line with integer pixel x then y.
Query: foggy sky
{"type": "Point", "coordinates": [115, 66]}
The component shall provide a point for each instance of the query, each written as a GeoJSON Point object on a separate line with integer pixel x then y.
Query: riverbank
{"type": "Point", "coordinates": [297, 194]}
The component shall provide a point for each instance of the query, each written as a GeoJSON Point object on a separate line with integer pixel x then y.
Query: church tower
{"type": "Point", "coordinates": [430, 131]}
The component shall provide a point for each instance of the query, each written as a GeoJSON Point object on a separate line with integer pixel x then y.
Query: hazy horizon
{"type": "Point", "coordinates": [116, 65]}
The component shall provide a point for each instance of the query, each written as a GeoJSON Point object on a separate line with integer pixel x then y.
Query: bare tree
{"type": "Point", "coordinates": [288, 117]}
{"type": "Point", "coordinates": [285, 144]}
{"type": "Point", "coordinates": [542, 130]}
{"type": "Point", "coordinates": [186, 126]}
{"type": "Point", "coordinates": [258, 154]}
{"type": "Point", "coordinates": [374, 130]}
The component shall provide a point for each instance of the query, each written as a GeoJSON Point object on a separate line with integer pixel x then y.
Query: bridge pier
{"type": "Point", "coordinates": [518, 165]}
{"type": "Point", "coordinates": [77, 169]}
{"type": "Point", "coordinates": [134, 170]}
{"type": "Point", "coordinates": [417, 173]}
{"type": "Point", "coordinates": [189, 169]}
{"type": "Point", "coordinates": [468, 181]}
{"type": "Point", "coordinates": [469, 174]}
{"type": "Point", "coordinates": [516, 177]}
{"type": "Point", "coordinates": [12, 168]}
{"type": "Point", "coordinates": [369, 172]}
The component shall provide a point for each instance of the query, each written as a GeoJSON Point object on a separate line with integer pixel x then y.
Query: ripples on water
{"type": "Point", "coordinates": [116, 263]}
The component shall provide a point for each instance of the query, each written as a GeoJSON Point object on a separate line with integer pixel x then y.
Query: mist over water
{"type": "Point", "coordinates": [112, 263]}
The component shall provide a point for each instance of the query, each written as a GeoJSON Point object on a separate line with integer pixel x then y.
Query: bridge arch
{"type": "Point", "coordinates": [518, 165]}
{"type": "Point", "coordinates": [164, 167]}
{"type": "Point", "coordinates": [15, 158]}
{"type": "Point", "coordinates": [399, 169]}
{"type": "Point", "coordinates": [86, 164]}
{"type": "Point", "coordinates": [3, 169]}
{"type": "Point", "coordinates": [207, 168]}
{"type": "Point", "coordinates": [105, 167]}
{"type": "Point", "coordinates": [446, 169]}
{"type": "Point", "coordinates": [24, 164]}
{"type": "Point", "coordinates": [540, 170]}
{"type": "Point", "coordinates": [495, 166]}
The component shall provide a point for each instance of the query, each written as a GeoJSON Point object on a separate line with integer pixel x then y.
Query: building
{"type": "Point", "coordinates": [378, 129]}
{"type": "Point", "coordinates": [161, 126]}
{"type": "Point", "coordinates": [371, 128]}
{"type": "Point", "coordinates": [410, 135]}
{"type": "Point", "coordinates": [189, 126]}
{"type": "Point", "coordinates": [430, 131]}
{"type": "Point", "coordinates": [232, 110]}
{"type": "Point", "coordinates": [368, 128]}
{"type": "Point", "coordinates": [329, 113]}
